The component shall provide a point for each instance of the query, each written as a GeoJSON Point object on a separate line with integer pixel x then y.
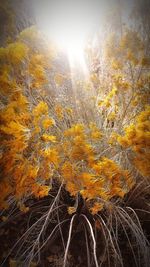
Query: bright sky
{"type": "Point", "coordinates": [69, 23]}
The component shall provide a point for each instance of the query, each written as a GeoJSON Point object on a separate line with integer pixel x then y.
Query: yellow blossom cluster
{"type": "Point", "coordinates": [34, 153]}
{"type": "Point", "coordinates": [107, 100]}
{"type": "Point", "coordinates": [137, 137]}
{"type": "Point", "coordinates": [44, 139]}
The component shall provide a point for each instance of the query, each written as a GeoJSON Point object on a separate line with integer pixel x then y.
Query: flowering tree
{"type": "Point", "coordinates": [91, 137]}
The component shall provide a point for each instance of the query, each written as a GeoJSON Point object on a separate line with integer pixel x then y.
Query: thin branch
{"type": "Point", "coordinates": [93, 238]}
{"type": "Point", "coordinates": [68, 242]}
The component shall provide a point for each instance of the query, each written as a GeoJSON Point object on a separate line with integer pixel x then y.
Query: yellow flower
{"type": "Point", "coordinates": [117, 191]}
{"type": "Point", "coordinates": [40, 109]}
{"type": "Point", "coordinates": [48, 122]}
{"type": "Point", "coordinates": [16, 52]}
{"type": "Point", "coordinates": [100, 103]}
{"type": "Point", "coordinates": [68, 171]}
{"type": "Point", "coordinates": [123, 141]}
{"type": "Point", "coordinates": [23, 208]}
{"type": "Point", "coordinates": [107, 103]}
{"type": "Point", "coordinates": [75, 130]}
{"type": "Point", "coordinates": [48, 138]}
{"type": "Point", "coordinates": [86, 178]}
{"type": "Point", "coordinates": [69, 111]}
{"type": "Point", "coordinates": [71, 210]}
{"type": "Point", "coordinates": [72, 188]}
{"type": "Point", "coordinates": [111, 116]}
{"type": "Point", "coordinates": [40, 190]}
{"type": "Point", "coordinates": [95, 132]}
{"type": "Point", "coordinates": [52, 155]}
{"type": "Point", "coordinates": [96, 208]}
{"type": "Point", "coordinates": [59, 111]}
{"type": "Point", "coordinates": [16, 129]}
{"type": "Point", "coordinates": [113, 138]}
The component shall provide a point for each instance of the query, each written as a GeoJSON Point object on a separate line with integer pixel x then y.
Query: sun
{"type": "Point", "coordinates": [73, 44]}
{"type": "Point", "coordinates": [69, 25]}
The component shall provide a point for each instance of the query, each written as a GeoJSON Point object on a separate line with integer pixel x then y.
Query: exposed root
{"type": "Point", "coordinates": [93, 238]}
{"type": "Point", "coordinates": [68, 242]}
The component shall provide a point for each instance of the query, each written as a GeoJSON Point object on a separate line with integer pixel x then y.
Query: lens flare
{"type": "Point", "coordinates": [68, 24]}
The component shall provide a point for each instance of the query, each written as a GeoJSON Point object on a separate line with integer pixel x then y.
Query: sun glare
{"type": "Point", "coordinates": [69, 24]}
{"type": "Point", "coordinates": [74, 48]}
{"type": "Point", "coordinates": [73, 45]}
